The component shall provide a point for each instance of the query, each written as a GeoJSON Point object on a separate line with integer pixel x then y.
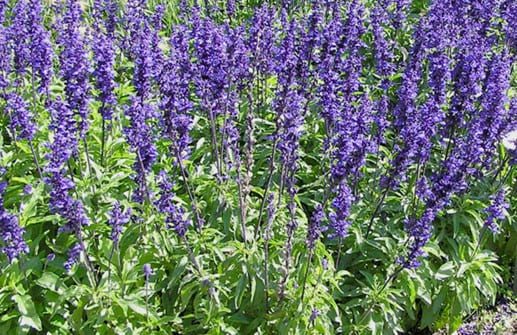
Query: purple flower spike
{"type": "Point", "coordinates": [10, 231]}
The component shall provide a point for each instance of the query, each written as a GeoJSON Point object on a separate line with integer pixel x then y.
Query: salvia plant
{"type": "Point", "coordinates": [256, 167]}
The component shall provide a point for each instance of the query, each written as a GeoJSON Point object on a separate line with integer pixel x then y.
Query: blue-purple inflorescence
{"type": "Point", "coordinates": [11, 234]}
{"type": "Point", "coordinates": [74, 61]}
{"type": "Point", "coordinates": [176, 105]}
{"type": "Point", "coordinates": [118, 218]}
{"type": "Point", "coordinates": [175, 215]}
{"type": "Point", "coordinates": [496, 211]}
{"type": "Point", "coordinates": [104, 56]}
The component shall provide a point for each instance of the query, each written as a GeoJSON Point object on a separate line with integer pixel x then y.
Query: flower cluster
{"type": "Point", "coordinates": [496, 211]}
{"type": "Point", "coordinates": [74, 63]}
{"type": "Point", "coordinates": [10, 231]}
{"type": "Point", "coordinates": [118, 218]}
{"type": "Point", "coordinates": [175, 214]}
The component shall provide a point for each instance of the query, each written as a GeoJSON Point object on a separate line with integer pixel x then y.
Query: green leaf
{"type": "Point", "coordinates": [445, 271]}
{"type": "Point", "coordinates": [28, 311]}
{"type": "Point", "coordinates": [50, 281]}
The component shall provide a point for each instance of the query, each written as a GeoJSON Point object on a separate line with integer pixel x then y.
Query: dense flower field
{"type": "Point", "coordinates": [255, 167]}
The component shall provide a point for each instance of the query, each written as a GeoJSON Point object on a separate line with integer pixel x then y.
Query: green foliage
{"type": "Point", "coordinates": [355, 284]}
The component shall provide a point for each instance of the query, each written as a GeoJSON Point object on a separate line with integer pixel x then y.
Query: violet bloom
{"type": "Point", "coordinates": [10, 231]}
{"type": "Point", "coordinates": [328, 71]}
{"type": "Point", "coordinates": [74, 63]}
{"type": "Point", "coordinates": [493, 116]}
{"type": "Point", "coordinates": [210, 74]}
{"type": "Point", "coordinates": [261, 40]}
{"type": "Point", "coordinates": [144, 55]}
{"type": "Point", "coordinates": [51, 257]}
{"type": "Point", "coordinates": [401, 9]}
{"type": "Point", "coordinates": [74, 254]}
{"type": "Point", "coordinates": [40, 48]}
{"type": "Point", "coordinates": [104, 60]}
{"type": "Point", "coordinates": [148, 271]}
{"type": "Point", "coordinates": [288, 105]}
{"type": "Point", "coordinates": [315, 228]}
{"type": "Point", "coordinates": [461, 162]}
{"type": "Point", "coordinates": [63, 146]}
{"type": "Point", "coordinates": [140, 137]}
{"type": "Point", "coordinates": [3, 7]}
{"type": "Point", "coordinates": [350, 141]}
{"type": "Point", "coordinates": [509, 14]}
{"type": "Point", "coordinates": [314, 315]}
{"type": "Point", "coordinates": [420, 232]}
{"type": "Point", "coordinates": [106, 11]}
{"type": "Point", "coordinates": [496, 211]}
{"type": "Point", "coordinates": [406, 116]}
{"type": "Point", "coordinates": [341, 205]}
{"type": "Point", "coordinates": [158, 57]}
{"type": "Point", "coordinates": [118, 218]}
{"type": "Point", "coordinates": [174, 87]}
{"type": "Point", "coordinates": [383, 54]}
{"type": "Point", "coordinates": [27, 189]}
{"type": "Point", "coordinates": [175, 214]}
{"type": "Point", "coordinates": [5, 60]}
{"type": "Point", "coordinates": [30, 42]}
{"type": "Point", "coordinates": [62, 203]}
{"type": "Point", "coordinates": [19, 37]}
{"type": "Point", "coordinates": [416, 125]}
{"type": "Point", "coordinates": [21, 118]}
{"type": "Point", "coordinates": [239, 77]}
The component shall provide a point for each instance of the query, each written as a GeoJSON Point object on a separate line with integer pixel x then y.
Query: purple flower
{"type": "Point", "coordinates": [62, 148]}
{"type": "Point", "coordinates": [210, 68]}
{"type": "Point", "coordinates": [10, 231]}
{"type": "Point", "coordinates": [341, 205]}
{"type": "Point", "coordinates": [148, 271]}
{"type": "Point", "coordinates": [384, 58]}
{"type": "Point", "coordinates": [21, 118]}
{"type": "Point", "coordinates": [315, 227]}
{"type": "Point", "coordinates": [420, 232]}
{"type": "Point", "coordinates": [271, 211]}
{"type": "Point", "coordinates": [19, 37]}
{"type": "Point", "coordinates": [487, 131]}
{"type": "Point", "coordinates": [105, 11]}
{"type": "Point", "coordinates": [288, 105]}
{"type": "Point", "coordinates": [5, 59]}
{"type": "Point", "coordinates": [118, 218]}
{"type": "Point", "coordinates": [314, 315]}
{"type": "Point", "coordinates": [496, 211]}
{"type": "Point", "coordinates": [175, 214]}
{"type": "Point", "coordinates": [262, 39]}
{"type": "Point", "coordinates": [174, 86]}
{"type": "Point", "coordinates": [74, 254]}
{"type": "Point", "coordinates": [62, 203]}
{"type": "Point", "coordinates": [238, 76]}
{"type": "Point", "coordinates": [351, 141]}
{"type": "Point", "coordinates": [40, 48]}
{"type": "Point", "coordinates": [399, 16]}
{"type": "Point", "coordinates": [509, 14]}
{"type": "Point", "coordinates": [143, 50]}
{"type": "Point", "coordinates": [140, 137]}
{"type": "Point", "coordinates": [74, 63]}
{"type": "Point", "coordinates": [104, 58]}
{"type": "Point", "coordinates": [64, 144]}
{"type": "Point", "coordinates": [328, 71]}
{"type": "Point", "coordinates": [27, 189]}
{"type": "Point", "coordinates": [325, 264]}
